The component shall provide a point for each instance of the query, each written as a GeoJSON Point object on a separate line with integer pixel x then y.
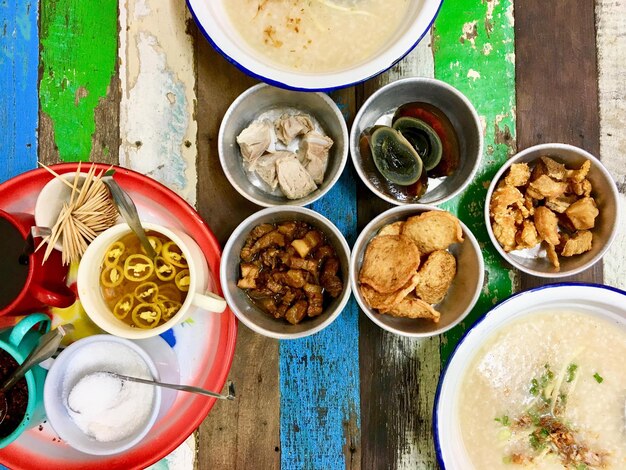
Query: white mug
{"type": "Point", "coordinates": [91, 298]}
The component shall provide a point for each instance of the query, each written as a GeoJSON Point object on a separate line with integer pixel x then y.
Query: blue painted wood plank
{"type": "Point", "coordinates": [319, 375]}
{"type": "Point", "coordinates": [19, 105]}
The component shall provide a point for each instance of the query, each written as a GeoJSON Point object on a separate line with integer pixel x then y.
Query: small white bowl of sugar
{"type": "Point", "coordinates": [95, 412]}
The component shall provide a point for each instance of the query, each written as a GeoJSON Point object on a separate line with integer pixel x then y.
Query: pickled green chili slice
{"type": "Point", "coordinates": [173, 254]}
{"type": "Point", "coordinates": [182, 280]}
{"type": "Point", "coordinates": [147, 292]}
{"type": "Point", "coordinates": [112, 276]}
{"type": "Point", "coordinates": [169, 308]}
{"type": "Point", "coordinates": [123, 306]}
{"type": "Point", "coordinates": [156, 244]}
{"type": "Point", "coordinates": [146, 316]}
{"type": "Point", "coordinates": [164, 270]}
{"type": "Point", "coordinates": [114, 253]}
{"type": "Point", "coordinates": [138, 268]}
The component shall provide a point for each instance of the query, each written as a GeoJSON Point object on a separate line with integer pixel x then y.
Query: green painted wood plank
{"type": "Point", "coordinates": [474, 51]}
{"type": "Point", "coordinates": [78, 58]}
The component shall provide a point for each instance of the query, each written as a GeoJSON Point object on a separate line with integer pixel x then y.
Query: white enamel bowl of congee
{"type": "Point", "coordinates": [215, 23]}
{"type": "Point", "coordinates": [602, 302]}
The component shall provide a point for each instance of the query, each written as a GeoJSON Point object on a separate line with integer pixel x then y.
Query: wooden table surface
{"type": "Point", "coordinates": [134, 82]}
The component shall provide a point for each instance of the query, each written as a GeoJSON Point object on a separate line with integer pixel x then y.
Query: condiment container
{"type": "Point", "coordinates": [19, 341]}
{"type": "Point", "coordinates": [68, 369]}
{"type": "Point", "coordinates": [200, 287]}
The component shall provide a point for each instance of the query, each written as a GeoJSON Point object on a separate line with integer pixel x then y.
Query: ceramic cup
{"type": "Point", "coordinates": [56, 392]}
{"type": "Point", "coordinates": [199, 294]}
{"type": "Point", "coordinates": [28, 284]}
{"type": "Point", "coordinates": [19, 341]}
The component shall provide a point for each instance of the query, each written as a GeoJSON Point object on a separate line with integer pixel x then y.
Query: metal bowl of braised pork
{"type": "Point", "coordinates": [285, 272]}
{"type": "Point", "coordinates": [416, 140]}
{"type": "Point", "coordinates": [552, 210]}
{"type": "Point", "coordinates": [282, 147]}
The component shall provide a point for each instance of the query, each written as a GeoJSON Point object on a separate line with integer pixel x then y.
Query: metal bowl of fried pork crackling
{"type": "Point", "coordinates": [569, 214]}
{"type": "Point", "coordinates": [284, 272]}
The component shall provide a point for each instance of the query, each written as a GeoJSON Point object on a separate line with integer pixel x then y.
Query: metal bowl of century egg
{"type": "Point", "coordinates": [380, 108]}
{"type": "Point", "coordinates": [266, 101]}
{"type": "Point", "coordinates": [241, 304]}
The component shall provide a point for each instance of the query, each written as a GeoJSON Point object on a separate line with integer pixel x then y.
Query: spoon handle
{"type": "Point", "coordinates": [183, 388]}
{"type": "Point", "coordinates": [46, 347]}
{"type": "Point", "coordinates": [127, 208]}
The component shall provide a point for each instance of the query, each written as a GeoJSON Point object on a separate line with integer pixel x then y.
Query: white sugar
{"type": "Point", "coordinates": [102, 406]}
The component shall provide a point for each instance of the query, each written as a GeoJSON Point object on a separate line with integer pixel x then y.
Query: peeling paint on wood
{"type": "Point", "coordinates": [158, 129]}
{"type": "Point", "coordinates": [19, 55]}
{"type": "Point", "coordinates": [611, 45]}
{"type": "Point", "coordinates": [398, 375]}
{"type": "Point", "coordinates": [481, 69]}
{"type": "Point", "coordinates": [78, 55]}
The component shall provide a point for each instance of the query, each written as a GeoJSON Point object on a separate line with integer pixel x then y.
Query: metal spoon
{"type": "Point", "coordinates": [46, 347]}
{"type": "Point", "coordinates": [183, 388]}
{"type": "Point", "coordinates": [127, 208]}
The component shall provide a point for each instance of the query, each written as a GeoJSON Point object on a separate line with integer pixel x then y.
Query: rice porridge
{"type": "Point", "coordinates": [318, 35]}
{"type": "Point", "coordinates": [547, 392]}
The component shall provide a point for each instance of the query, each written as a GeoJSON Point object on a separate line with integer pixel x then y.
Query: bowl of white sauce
{"type": "Point", "coordinates": [314, 45]}
{"type": "Point", "coordinates": [95, 412]}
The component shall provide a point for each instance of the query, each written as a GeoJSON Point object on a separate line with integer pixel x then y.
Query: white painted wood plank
{"type": "Point", "coordinates": [417, 451]}
{"type": "Point", "coordinates": [611, 44]}
{"type": "Point", "coordinates": [158, 129]}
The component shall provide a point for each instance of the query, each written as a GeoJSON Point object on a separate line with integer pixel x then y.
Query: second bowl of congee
{"type": "Point", "coordinates": [130, 294]}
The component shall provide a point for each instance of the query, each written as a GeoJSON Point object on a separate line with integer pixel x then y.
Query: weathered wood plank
{"type": "Point", "coordinates": [611, 50]}
{"type": "Point", "coordinates": [319, 375]}
{"type": "Point", "coordinates": [19, 58]}
{"type": "Point", "coordinates": [248, 437]}
{"type": "Point", "coordinates": [157, 112]}
{"type": "Point", "coordinates": [474, 52]}
{"type": "Point", "coordinates": [78, 61]}
{"type": "Point", "coordinates": [557, 92]}
{"type": "Point", "coordinates": [398, 375]}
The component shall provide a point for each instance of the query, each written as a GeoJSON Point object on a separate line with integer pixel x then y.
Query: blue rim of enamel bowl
{"type": "Point", "coordinates": [442, 377]}
{"type": "Point", "coordinates": [280, 84]}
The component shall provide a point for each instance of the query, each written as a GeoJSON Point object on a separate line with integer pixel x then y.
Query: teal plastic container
{"type": "Point", "coordinates": [19, 341]}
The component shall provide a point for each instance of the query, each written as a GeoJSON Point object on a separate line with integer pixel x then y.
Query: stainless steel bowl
{"type": "Point", "coordinates": [379, 109]}
{"type": "Point", "coordinates": [606, 197]}
{"type": "Point", "coordinates": [259, 99]}
{"type": "Point", "coordinates": [249, 314]}
{"type": "Point", "coordinates": [461, 296]}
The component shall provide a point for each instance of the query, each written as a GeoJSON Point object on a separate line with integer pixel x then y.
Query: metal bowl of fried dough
{"type": "Point", "coordinates": [416, 270]}
{"type": "Point", "coordinates": [552, 210]}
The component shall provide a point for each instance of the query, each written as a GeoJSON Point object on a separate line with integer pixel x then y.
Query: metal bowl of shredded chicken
{"type": "Point", "coordinates": [281, 147]}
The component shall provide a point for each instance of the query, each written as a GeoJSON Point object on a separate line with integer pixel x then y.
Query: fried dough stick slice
{"type": "Point", "coordinates": [432, 231]}
{"type": "Point", "coordinates": [389, 263]}
{"type": "Point", "coordinates": [384, 302]}
{"type": "Point", "coordinates": [436, 276]}
{"type": "Point", "coordinates": [412, 307]}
